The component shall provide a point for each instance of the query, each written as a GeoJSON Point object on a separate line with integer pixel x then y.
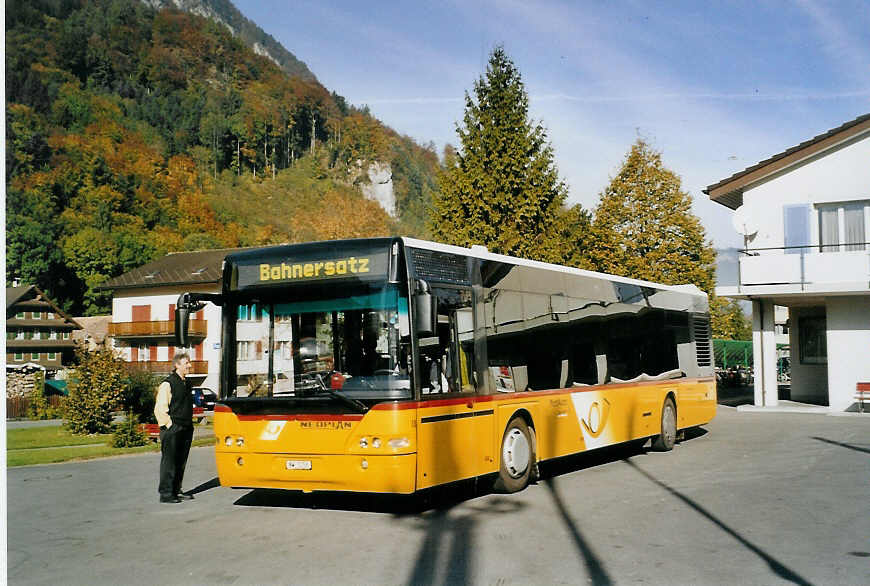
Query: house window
{"type": "Point", "coordinates": [66, 335]}
{"type": "Point", "coordinates": [28, 334]}
{"type": "Point", "coordinates": [19, 334]}
{"type": "Point", "coordinates": [796, 223]}
{"type": "Point", "coordinates": [18, 356]}
{"type": "Point", "coordinates": [250, 313]}
{"type": "Point", "coordinates": [52, 355]}
{"type": "Point", "coordinates": [52, 335]}
{"type": "Point", "coordinates": [844, 226]}
{"type": "Point", "coordinates": [812, 334]}
{"type": "Point", "coordinates": [19, 315]}
{"type": "Point", "coordinates": [34, 355]}
{"type": "Point", "coordinates": [49, 315]}
{"type": "Point", "coordinates": [250, 350]}
{"type": "Point", "coordinates": [36, 315]}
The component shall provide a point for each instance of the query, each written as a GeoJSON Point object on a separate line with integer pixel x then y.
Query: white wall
{"type": "Point", "coordinates": [160, 299]}
{"type": "Point", "coordinates": [842, 175]}
{"type": "Point", "coordinates": [848, 348]}
{"type": "Point", "coordinates": [809, 382]}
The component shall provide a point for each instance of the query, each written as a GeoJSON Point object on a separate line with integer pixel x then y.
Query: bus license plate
{"type": "Point", "coordinates": [298, 464]}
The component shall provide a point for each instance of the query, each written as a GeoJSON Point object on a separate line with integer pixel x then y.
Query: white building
{"type": "Point", "coordinates": [143, 313]}
{"type": "Point", "coordinates": [806, 216]}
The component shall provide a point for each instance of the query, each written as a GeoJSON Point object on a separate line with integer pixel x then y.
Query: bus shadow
{"type": "Point", "coordinates": [439, 499]}
{"type": "Point", "coordinates": [608, 455]}
{"type": "Point", "coordinates": [576, 462]}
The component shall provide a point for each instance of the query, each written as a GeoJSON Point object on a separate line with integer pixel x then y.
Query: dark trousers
{"type": "Point", "coordinates": [175, 447]}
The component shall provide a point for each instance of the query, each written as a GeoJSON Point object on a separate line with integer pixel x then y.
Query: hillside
{"type": "Point", "coordinates": [225, 13]}
{"type": "Point", "coordinates": [133, 132]}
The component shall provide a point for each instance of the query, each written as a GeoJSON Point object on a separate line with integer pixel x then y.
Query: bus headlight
{"type": "Point", "coordinates": [363, 442]}
{"type": "Point", "coordinates": [240, 441]}
{"type": "Point", "coordinates": [376, 442]}
{"type": "Point", "coordinates": [228, 441]}
{"type": "Point", "coordinates": [399, 442]}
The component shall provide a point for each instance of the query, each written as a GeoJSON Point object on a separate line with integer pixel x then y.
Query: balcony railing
{"type": "Point", "coordinates": [803, 266]}
{"type": "Point", "coordinates": [155, 329]}
{"type": "Point", "coordinates": [165, 366]}
{"type": "Point", "coordinates": [39, 344]}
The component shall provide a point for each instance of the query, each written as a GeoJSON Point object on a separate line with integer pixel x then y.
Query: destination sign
{"type": "Point", "coordinates": [274, 271]}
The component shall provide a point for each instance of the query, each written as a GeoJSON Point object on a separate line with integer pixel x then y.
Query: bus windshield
{"type": "Point", "coordinates": [356, 345]}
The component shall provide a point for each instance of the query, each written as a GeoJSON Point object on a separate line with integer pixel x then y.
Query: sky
{"type": "Point", "coordinates": [715, 86]}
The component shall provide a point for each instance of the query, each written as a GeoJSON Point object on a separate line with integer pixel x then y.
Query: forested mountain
{"type": "Point", "coordinates": [224, 12]}
{"type": "Point", "coordinates": [132, 132]}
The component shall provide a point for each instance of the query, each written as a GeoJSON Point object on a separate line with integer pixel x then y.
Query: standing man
{"type": "Point", "coordinates": [174, 413]}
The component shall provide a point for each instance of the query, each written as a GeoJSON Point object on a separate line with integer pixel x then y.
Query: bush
{"type": "Point", "coordinates": [127, 433]}
{"type": "Point", "coordinates": [140, 394]}
{"type": "Point", "coordinates": [95, 391]}
{"type": "Point", "coordinates": [40, 408]}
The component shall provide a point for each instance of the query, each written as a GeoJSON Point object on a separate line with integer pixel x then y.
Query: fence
{"type": "Point", "coordinates": [17, 407]}
{"type": "Point", "coordinates": [737, 355]}
{"type": "Point", "coordinates": [732, 354]}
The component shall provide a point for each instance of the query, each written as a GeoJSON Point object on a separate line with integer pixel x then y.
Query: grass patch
{"type": "Point", "coordinates": [49, 437]}
{"type": "Point", "coordinates": [69, 452]}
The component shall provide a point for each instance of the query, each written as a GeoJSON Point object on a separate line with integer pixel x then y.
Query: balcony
{"type": "Point", "coordinates": [165, 366]}
{"type": "Point", "coordinates": [155, 329]}
{"type": "Point", "coordinates": [801, 270]}
{"type": "Point", "coordinates": [37, 344]}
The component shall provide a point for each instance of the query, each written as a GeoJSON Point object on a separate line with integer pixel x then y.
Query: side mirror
{"type": "Point", "coordinates": [190, 303]}
{"type": "Point", "coordinates": [425, 310]}
{"type": "Point", "coordinates": [182, 322]}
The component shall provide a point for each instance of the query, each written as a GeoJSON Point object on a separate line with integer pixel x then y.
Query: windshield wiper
{"type": "Point", "coordinates": [357, 405]}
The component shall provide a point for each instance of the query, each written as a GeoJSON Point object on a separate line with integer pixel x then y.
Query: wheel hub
{"type": "Point", "coordinates": [516, 453]}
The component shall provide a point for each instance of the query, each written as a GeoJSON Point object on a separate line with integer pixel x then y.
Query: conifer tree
{"type": "Point", "coordinates": [643, 226]}
{"type": "Point", "coordinates": [502, 189]}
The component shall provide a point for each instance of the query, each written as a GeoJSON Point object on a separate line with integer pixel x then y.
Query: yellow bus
{"type": "Point", "coordinates": [392, 365]}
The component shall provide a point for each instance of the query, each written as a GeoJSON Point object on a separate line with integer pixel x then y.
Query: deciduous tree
{"type": "Point", "coordinates": [644, 228]}
{"type": "Point", "coordinates": [727, 320]}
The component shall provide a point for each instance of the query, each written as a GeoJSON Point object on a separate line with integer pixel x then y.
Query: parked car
{"type": "Point", "coordinates": [204, 397]}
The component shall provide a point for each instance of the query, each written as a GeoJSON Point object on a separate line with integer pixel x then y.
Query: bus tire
{"type": "Point", "coordinates": [664, 442]}
{"type": "Point", "coordinates": [517, 457]}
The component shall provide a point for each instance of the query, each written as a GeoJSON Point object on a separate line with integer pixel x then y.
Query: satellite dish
{"type": "Point", "coordinates": [743, 222]}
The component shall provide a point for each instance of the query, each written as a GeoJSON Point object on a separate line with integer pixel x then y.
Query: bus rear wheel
{"type": "Point", "coordinates": [517, 457]}
{"type": "Point", "coordinates": [664, 442]}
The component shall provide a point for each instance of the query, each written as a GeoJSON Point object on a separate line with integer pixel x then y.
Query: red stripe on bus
{"type": "Point", "coordinates": [465, 399]}
{"type": "Point", "coordinates": [300, 417]}
{"type": "Point", "coordinates": [448, 401]}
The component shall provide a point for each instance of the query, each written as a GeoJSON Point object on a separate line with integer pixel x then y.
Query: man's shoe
{"type": "Point", "coordinates": [185, 496]}
{"type": "Point", "coordinates": [170, 499]}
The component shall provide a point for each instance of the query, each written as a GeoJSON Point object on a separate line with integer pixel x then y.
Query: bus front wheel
{"type": "Point", "coordinates": [517, 457]}
{"type": "Point", "coordinates": [664, 442]}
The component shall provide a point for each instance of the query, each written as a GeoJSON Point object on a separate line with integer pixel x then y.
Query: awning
{"type": "Point", "coordinates": [56, 387]}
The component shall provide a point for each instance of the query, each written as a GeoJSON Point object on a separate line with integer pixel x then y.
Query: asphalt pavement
{"type": "Point", "coordinates": [751, 498]}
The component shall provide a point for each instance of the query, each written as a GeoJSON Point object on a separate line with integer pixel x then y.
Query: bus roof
{"type": "Point", "coordinates": [482, 253]}
{"type": "Point", "coordinates": [476, 252]}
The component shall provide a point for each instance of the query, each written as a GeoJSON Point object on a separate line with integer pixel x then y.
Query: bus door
{"type": "Point", "coordinates": [449, 447]}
